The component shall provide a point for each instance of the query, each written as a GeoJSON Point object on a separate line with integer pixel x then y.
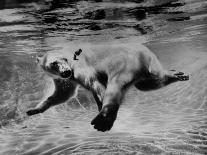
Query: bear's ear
{"type": "Point", "coordinates": [39, 59]}
{"type": "Point", "coordinates": [66, 60]}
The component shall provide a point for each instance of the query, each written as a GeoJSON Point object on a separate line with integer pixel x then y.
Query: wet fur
{"type": "Point", "coordinates": [107, 71]}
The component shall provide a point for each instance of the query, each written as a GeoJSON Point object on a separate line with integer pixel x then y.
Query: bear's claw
{"type": "Point", "coordinates": [179, 73]}
{"type": "Point", "coordinates": [182, 77]}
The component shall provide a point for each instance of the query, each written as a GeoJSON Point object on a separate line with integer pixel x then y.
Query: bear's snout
{"type": "Point", "coordinates": [66, 74]}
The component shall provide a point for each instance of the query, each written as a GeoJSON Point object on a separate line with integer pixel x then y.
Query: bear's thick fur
{"type": "Point", "coordinates": [106, 70]}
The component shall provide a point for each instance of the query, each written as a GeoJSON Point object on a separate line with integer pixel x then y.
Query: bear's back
{"type": "Point", "coordinates": [110, 56]}
{"type": "Point", "coordinates": [102, 52]}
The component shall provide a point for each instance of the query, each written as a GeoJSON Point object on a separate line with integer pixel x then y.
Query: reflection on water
{"type": "Point", "coordinates": [171, 120]}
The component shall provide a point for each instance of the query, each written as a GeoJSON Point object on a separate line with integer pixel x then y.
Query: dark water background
{"type": "Point", "coordinates": [172, 120]}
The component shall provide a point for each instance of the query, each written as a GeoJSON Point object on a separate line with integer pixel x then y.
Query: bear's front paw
{"type": "Point", "coordinates": [32, 112]}
{"type": "Point", "coordinates": [105, 119]}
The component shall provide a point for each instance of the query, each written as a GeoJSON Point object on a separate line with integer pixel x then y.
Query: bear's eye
{"type": "Point", "coordinates": [65, 59]}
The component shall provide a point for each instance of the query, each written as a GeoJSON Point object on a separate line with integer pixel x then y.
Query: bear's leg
{"type": "Point", "coordinates": [98, 101]}
{"type": "Point", "coordinates": [155, 82]}
{"type": "Point", "coordinates": [149, 84]}
{"type": "Point", "coordinates": [98, 91]}
{"type": "Point", "coordinates": [115, 91]}
{"type": "Point", "coordinates": [63, 91]}
{"type": "Point", "coordinates": [159, 77]}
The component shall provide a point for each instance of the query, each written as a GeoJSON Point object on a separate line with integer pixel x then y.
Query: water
{"type": "Point", "coordinates": [171, 120]}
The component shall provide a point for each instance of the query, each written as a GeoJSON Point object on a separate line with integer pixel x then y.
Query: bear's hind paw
{"type": "Point", "coordinates": [183, 77]}
{"type": "Point", "coordinates": [178, 76]}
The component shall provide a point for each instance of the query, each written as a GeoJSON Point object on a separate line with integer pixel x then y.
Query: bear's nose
{"type": "Point", "coordinates": [66, 74]}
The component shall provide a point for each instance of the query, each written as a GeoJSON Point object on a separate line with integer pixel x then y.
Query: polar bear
{"type": "Point", "coordinates": [106, 70]}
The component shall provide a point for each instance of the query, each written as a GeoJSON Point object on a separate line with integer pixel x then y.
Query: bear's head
{"type": "Point", "coordinates": [56, 65]}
